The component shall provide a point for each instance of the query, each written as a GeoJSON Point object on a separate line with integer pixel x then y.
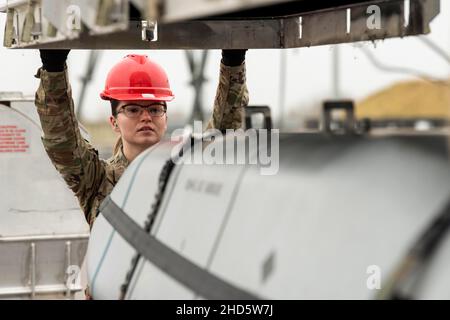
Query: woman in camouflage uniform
{"type": "Point", "coordinates": [140, 123]}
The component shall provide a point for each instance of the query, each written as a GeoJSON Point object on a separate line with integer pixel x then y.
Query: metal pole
{"type": "Point", "coordinates": [86, 78]}
{"type": "Point", "coordinates": [336, 72]}
{"type": "Point", "coordinates": [33, 269]}
{"type": "Point", "coordinates": [282, 87]}
{"type": "Point", "coordinates": [67, 265]}
{"type": "Point", "coordinates": [198, 79]}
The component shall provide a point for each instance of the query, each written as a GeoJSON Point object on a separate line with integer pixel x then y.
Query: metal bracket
{"type": "Point", "coordinates": [332, 126]}
{"type": "Point", "coordinates": [149, 30]}
{"type": "Point", "coordinates": [249, 111]}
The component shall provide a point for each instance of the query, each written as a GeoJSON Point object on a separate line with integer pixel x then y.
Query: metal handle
{"type": "Point", "coordinates": [251, 110]}
{"type": "Point", "coordinates": [349, 122]}
{"type": "Point", "coordinates": [149, 30]}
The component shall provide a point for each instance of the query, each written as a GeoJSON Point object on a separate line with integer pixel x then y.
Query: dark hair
{"type": "Point", "coordinates": [114, 105]}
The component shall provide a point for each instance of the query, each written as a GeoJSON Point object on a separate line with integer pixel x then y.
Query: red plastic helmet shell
{"type": "Point", "coordinates": [137, 77]}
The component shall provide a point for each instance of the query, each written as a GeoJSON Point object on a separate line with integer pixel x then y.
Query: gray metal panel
{"type": "Point", "coordinates": [36, 208]}
{"type": "Point", "coordinates": [30, 183]}
{"type": "Point", "coordinates": [190, 225]}
{"type": "Point", "coordinates": [173, 264]}
{"type": "Point", "coordinates": [438, 278]}
{"type": "Point", "coordinates": [337, 206]}
{"type": "Point", "coordinates": [134, 193]}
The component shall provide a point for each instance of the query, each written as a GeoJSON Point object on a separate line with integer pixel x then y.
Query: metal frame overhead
{"type": "Point", "coordinates": [33, 24]}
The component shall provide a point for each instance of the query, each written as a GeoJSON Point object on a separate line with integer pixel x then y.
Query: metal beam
{"type": "Point", "coordinates": [329, 26]}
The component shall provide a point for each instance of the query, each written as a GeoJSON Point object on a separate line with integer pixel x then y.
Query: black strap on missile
{"type": "Point", "coordinates": [405, 278]}
{"type": "Point", "coordinates": [162, 183]}
{"type": "Point", "coordinates": [199, 280]}
{"type": "Point", "coordinates": [163, 180]}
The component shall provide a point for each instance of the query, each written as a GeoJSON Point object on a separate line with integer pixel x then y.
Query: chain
{"type": "Point", "coordinates": [162, 184]}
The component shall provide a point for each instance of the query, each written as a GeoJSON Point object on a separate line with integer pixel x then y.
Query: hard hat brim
{"type": "Point", "coordinates": [144, 93]}
{"type": "Point", "coordinates": [137, 97]}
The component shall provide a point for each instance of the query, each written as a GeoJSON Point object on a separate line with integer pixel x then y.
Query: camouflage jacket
{"type": "Point", "coordinates": [89, 177]}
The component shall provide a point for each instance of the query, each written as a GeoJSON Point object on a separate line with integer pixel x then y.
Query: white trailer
{"type": "Point", "coordinates": [43, 232]}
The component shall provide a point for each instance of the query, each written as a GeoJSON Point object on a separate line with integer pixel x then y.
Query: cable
{"type": "Point", "coordinates": [435, 48]}
{"type": "Point", "coordinates": [404, 282]}
{"type": "Point", "coordinates": [394, 69]}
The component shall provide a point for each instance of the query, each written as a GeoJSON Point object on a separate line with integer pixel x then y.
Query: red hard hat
{"type": "Point", "coordinates": [137, 77]}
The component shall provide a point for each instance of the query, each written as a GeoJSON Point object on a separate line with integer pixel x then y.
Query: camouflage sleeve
{"type": "Point", "coordinates": [231, 98]}
{"type": "Point", "coordinates": [73, 157]}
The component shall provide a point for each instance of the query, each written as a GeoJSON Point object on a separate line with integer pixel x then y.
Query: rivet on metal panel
{"type": "Point", "coordinates": [32, 281]}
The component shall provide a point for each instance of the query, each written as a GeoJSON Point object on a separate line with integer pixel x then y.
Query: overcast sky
{"type": "Point", "coordinates": [309, 76]}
